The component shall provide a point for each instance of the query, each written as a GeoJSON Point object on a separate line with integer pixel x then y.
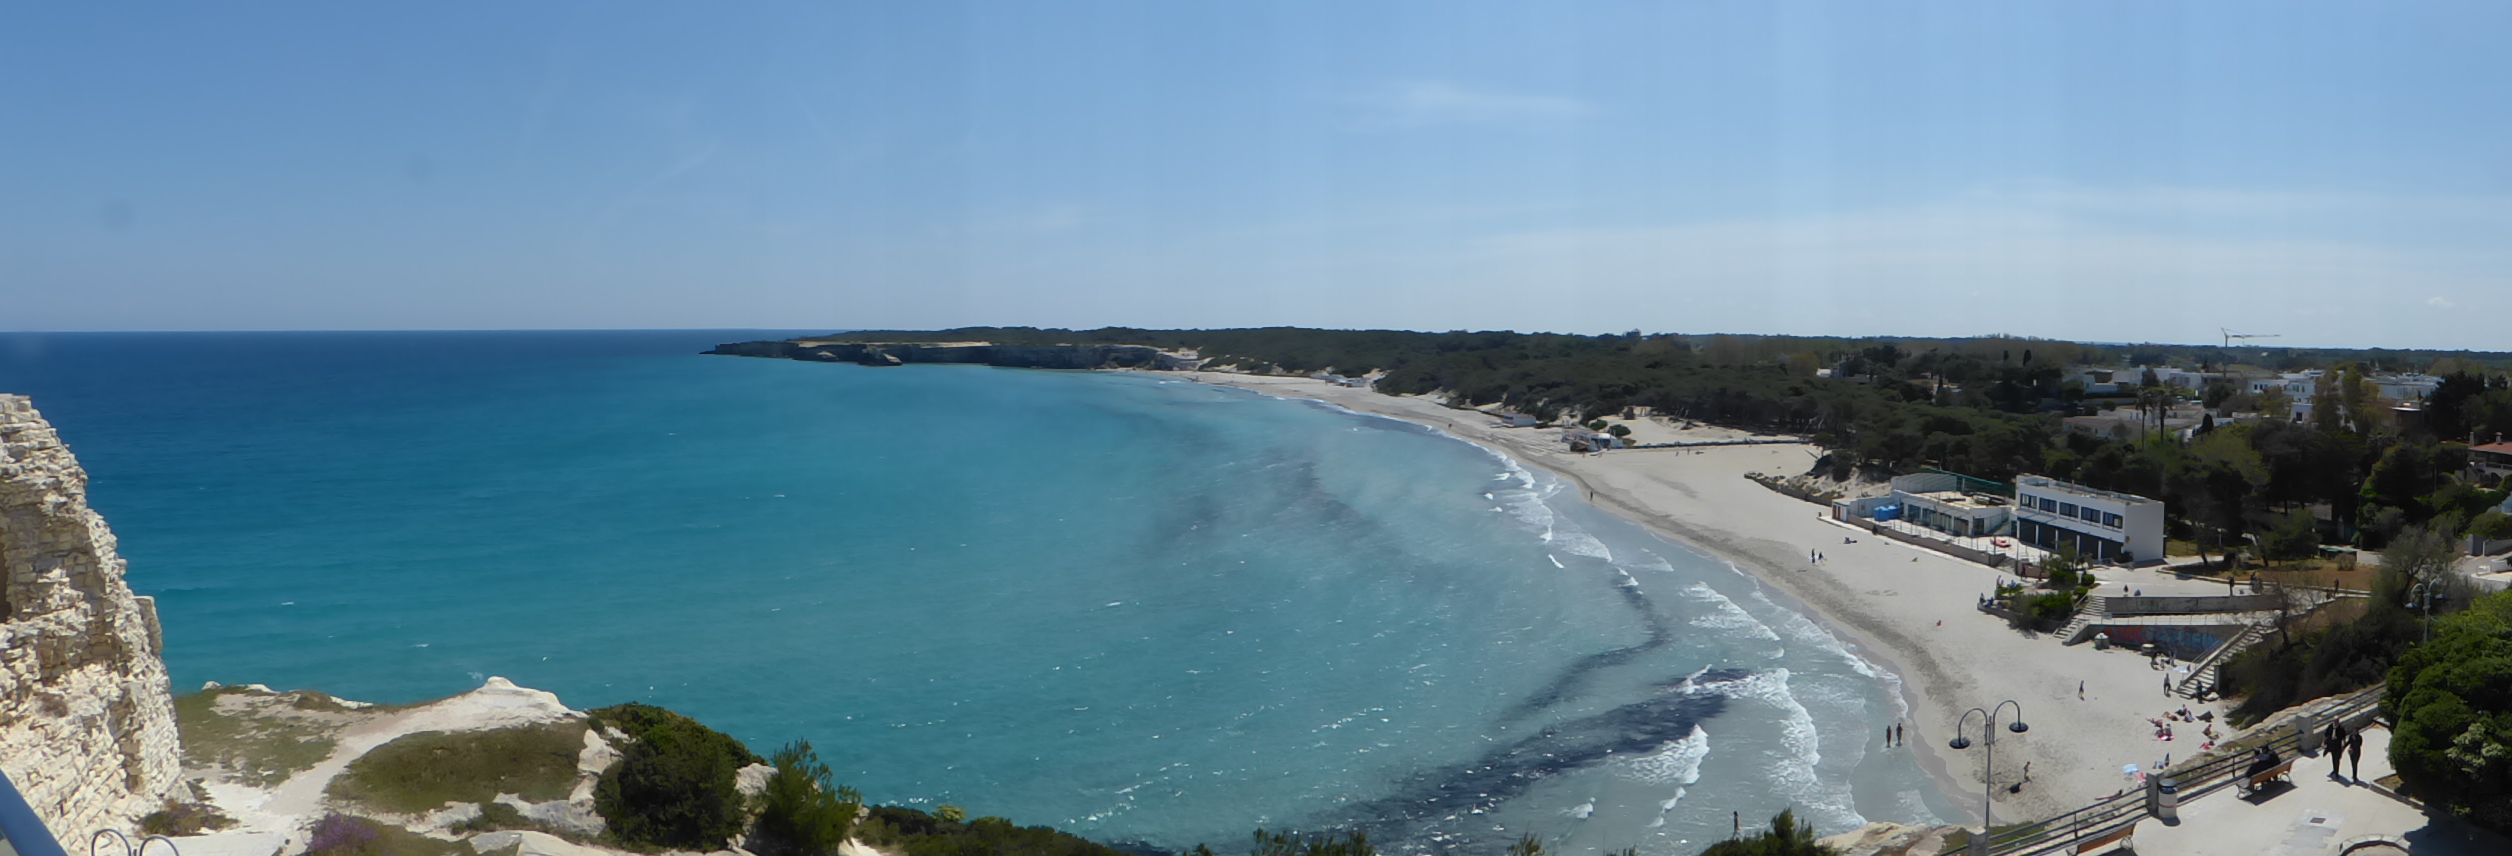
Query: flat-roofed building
{"type": "Point", "coordinates": [1951, 504]}
{"type": "Point", "coordinates": [2103, 526]}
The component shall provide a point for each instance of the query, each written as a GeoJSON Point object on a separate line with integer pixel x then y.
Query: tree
{"type": "Point", "coordinates": [2452, 700]}
{"type": "Point", "coordinates": [1786, 837]}
{"type": "Point", "coordinates": [2492, 526]}
{"type": "Point", "coordinates": [2417, 556]}
{"type": "Point", "coordinates": [2276, 405]}
{"type": "Point", "coordinates": [2294, 600]}
{"type": "Point", "coordinates": [2218, 393]}
{"type": "Point", "coordinates": [801, 812]}
{"type": "Point", "coordinates": [2295, 536]}
{"type": "Point", "coordinates": [673, 785]}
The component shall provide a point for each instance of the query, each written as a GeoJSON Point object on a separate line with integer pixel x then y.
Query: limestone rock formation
{"type": "Point", "coordinates": [86, 718]}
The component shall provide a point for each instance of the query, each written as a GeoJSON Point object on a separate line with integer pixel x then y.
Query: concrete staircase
{"type": "Point", "coordinates": [2202, 679]}
{"type": "Point", "coordinates": [2095, 608]}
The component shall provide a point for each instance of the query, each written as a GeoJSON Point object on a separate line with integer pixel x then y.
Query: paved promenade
{"type": "Point", "coordinates": [2315, 816]}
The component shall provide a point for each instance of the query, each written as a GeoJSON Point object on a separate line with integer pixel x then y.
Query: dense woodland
{"type": "Point", "coordinates": [1989, 407]}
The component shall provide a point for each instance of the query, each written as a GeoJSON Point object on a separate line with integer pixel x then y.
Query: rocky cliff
{"type": "Point", "coordinates": [86, 721]}
{"type": "Point", "coordinates": [981, 353]}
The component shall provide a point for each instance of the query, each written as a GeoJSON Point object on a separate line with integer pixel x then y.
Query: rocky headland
{"type": "Point", "coordinates": [95, 741]}
{"type": "Point", "coordinates": [1078, 356]}
{"type": "Point", "coordinates": [87, 727]}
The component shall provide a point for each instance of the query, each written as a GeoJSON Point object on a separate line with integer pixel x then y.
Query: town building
{"type": "Point", "coordinates": [2491, 459]}
{"type": "Point", "coordinates": [2103, 526]}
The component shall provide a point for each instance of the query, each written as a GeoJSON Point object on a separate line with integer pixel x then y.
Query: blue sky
{"type": "Point", "coordinates": [2340, 173]}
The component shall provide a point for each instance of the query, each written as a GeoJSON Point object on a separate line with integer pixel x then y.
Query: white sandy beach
{"type": "Point", "coordinates": [1875, 596]}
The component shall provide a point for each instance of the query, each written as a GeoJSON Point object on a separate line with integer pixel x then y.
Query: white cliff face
{"type": "Point", "coordinates": [86, 718]}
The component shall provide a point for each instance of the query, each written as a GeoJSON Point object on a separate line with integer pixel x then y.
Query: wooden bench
{"type": "Point", "coordinates": [2124, 836]}
{"type": "Point", "coordinates": [2252, 783]}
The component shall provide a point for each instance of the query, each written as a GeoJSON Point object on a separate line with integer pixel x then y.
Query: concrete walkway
{"type": "Point", "coordinates": [2317, 815]}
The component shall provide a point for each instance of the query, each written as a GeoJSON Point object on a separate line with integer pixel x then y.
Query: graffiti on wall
{"type": "Point", "coordinates": [2183, 642]}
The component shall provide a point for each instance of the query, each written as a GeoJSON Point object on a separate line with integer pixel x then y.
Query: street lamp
{"type": "Point", "coordinates": [1988, 736]}
{"type": "Point", "coordinates": [2421, 596]}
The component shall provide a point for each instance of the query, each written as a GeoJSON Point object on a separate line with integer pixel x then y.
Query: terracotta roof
{"type": "Point", "coordinates": [2495, 448]}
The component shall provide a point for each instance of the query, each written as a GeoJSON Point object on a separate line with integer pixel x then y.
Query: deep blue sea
{"type": "Point", "coordinates": [1136, 608]}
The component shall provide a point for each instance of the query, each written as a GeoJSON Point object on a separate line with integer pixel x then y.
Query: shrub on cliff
{"type": "Point", "coordinates": [802, 813]}
{"type": "Point", "coordinates": [673, 785]}
{"type": "Point", "coordinates": [348, 835]}
{"type": "Point", "coordinates": [915, 833]}
{"type": "Point", "coordinates": [1786, 837]}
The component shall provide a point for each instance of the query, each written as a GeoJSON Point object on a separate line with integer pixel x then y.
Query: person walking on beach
{"type": "Point", "coordinates": [2355, 754]}
{"type": "Point", "coordinates": [2080, 691]}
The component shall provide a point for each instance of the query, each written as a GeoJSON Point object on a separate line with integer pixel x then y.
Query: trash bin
{"type": "Point", "coordinates": [2167, 800]}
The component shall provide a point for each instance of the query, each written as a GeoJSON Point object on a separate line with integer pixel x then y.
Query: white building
{"type": "Point", "coordinates": [2405, 387]}
{"type": "Point", "coordinates": [2105, 527]}
{"type": "Point", "coordinates": [1938, 501]}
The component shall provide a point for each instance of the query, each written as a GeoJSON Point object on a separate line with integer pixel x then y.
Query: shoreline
{"type": "Point", "coordinates": [1882, 598]}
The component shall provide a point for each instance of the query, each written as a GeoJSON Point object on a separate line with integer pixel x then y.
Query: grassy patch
{"type": "Point", "coordinates": [260, 747]}
{"type": "Point", "coordinates": [346, 835]}
{"type": "Point", "coordinates": [424, 771]}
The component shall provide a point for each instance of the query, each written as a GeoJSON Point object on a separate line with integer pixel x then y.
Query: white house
{"type": "Point", "coordinates": [2102, 525]}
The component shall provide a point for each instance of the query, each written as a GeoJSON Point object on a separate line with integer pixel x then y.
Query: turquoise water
{"type": "Point", "coordinates": [1135, 608]}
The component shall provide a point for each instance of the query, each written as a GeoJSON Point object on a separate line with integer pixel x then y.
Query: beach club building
{"type": "Point", "coordinates": [1955, 505]}
{"type": "Point", "coordinates": [2103, 526]}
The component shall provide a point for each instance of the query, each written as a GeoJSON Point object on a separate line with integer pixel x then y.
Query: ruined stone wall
{"type": "Point", "coordinates": [86, 718]}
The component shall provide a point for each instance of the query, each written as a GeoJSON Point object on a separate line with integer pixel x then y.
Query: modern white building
{"type": "Point", "coordinates": [1939, 501]}
{"type": "Point", "coordinates": [2103, 526]}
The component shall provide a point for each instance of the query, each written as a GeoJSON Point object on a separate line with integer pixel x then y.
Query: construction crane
{"type": "Point", "coordinates": [2229, 336]}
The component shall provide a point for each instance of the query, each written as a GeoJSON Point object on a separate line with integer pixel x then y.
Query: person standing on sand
{"type": "Point", "coordinates": [2355, 754]}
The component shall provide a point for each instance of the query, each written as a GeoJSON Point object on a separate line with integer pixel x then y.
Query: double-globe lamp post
{"type": "Point", "coordinates": [1988, 785]}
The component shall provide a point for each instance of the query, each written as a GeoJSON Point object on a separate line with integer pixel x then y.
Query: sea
{"type": "Point", "coordinates": [1147, 611]}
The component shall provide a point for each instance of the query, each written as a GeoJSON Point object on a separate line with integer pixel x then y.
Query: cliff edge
{"type": "Point", "coordinates": [86, 718]}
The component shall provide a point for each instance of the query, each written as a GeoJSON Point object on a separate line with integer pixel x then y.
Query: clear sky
{"type": "Point", "coordinates": [2116, 170]}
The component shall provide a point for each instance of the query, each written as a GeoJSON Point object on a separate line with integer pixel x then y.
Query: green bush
{"type": "Point", "coordinates": [673, 785]}
{"type": "Point", "coordinates": [2452, 701]}
{"type": "Point", "coordinates": [1786, 837]}
{"type": "Point", "coordinates": [2345, 658]}
{"type": "Point", "coordinates": [348, 835]}
{"type": "Point", "coordinates": [915, 833]}
{"type": "Point", "coordinates": [802, 813]}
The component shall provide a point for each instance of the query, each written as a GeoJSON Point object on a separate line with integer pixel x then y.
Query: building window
{"type": "Point", "coordinates": [2067, 509]}
{"type": "Point", "coordinates": [2111, 520]}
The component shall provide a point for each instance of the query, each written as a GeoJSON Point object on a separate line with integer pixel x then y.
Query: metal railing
{"type": "Point", "coordinates": [2193, 779]}
{"type": "Point", "coordinates": [95, 843]}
